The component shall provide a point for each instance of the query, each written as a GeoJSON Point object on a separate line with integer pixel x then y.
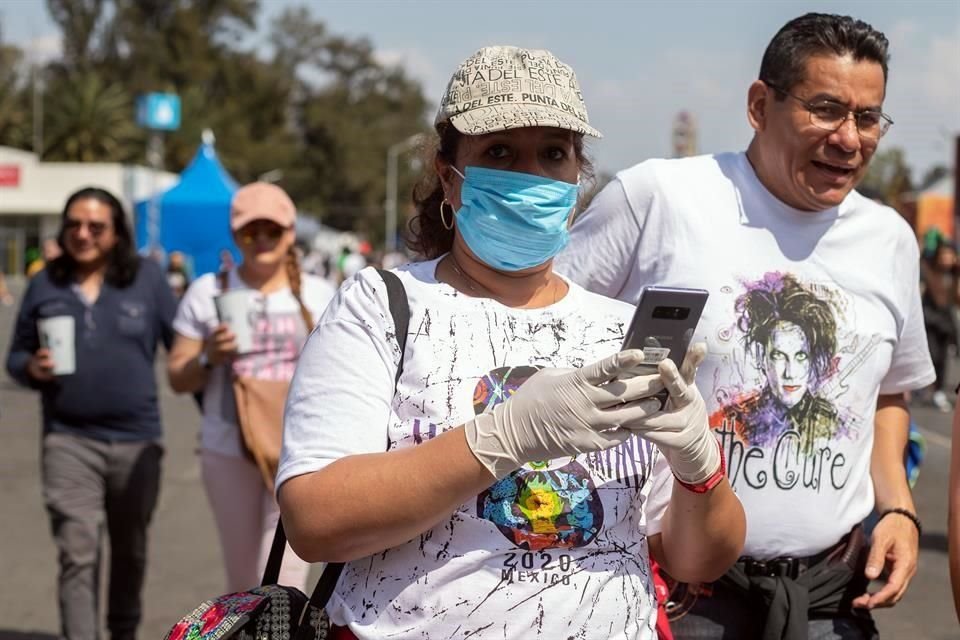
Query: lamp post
{"type": "Point", "coordinates": [38, 89]}
{"type": "Point", "coordinates": [390, 205]}
{"type": "Point", "coordinates": [36, 57]}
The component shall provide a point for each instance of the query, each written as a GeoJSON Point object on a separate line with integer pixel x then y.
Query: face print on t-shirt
{"type": "Point", "coordinates": [542, 505]}
{"type": "Point", "coordinates": [788, 406]}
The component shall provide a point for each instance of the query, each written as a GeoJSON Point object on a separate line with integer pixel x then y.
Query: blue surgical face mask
{"type": "Point", "coordinates": [513, 221]}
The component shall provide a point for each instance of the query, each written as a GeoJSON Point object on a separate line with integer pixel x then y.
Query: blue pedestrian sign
{"type": "Point", "coordinates": [159, 111]}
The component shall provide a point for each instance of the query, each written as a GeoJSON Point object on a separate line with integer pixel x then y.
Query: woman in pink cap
{"type": "Point", "coordinates": [207, 355]}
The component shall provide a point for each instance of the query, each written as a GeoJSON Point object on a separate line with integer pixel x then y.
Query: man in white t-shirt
{"type": "Point", "coordinates": [813, 325]}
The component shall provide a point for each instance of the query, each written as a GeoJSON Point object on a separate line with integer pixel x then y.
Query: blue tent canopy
{"type": "Point", "coordinates": [195, 214]}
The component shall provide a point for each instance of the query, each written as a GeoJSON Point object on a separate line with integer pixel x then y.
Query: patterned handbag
{"type": "Point", "coordinates": [272, 611]}
{"type": "Point", "coordinates": [268, 612]}
{"type": "Point", "coordinates": [259, 614]}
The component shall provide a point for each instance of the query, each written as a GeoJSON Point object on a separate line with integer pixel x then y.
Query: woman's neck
{"type": "Point", "coordinates": [264, 279]}
{"type": "Point", "coordinates": [530, 290]}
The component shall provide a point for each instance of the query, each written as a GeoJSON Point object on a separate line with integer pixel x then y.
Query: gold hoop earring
{"type": "Point", "coordinates": [443, 220]}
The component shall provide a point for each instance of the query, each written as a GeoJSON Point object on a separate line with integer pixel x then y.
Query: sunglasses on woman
{"type": "Point", "coordinates": [249, 233]}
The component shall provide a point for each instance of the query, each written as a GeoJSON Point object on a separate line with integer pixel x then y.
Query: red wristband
{"type": "Point", "coordinates": [710, 482]}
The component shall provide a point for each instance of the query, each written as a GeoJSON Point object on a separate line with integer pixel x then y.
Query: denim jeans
{"type": "Point", "coordinates": [725, 614]}
{"type": "Point", "coordinates": [89, 484]}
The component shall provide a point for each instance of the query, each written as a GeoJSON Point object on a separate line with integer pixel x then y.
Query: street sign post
{"type": "Point", "coordinates": [157, 112]}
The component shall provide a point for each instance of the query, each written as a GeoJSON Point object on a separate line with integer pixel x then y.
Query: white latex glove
{"type": "Point", "coordinates": [681, 431]}
{"type": "Point", "coordinates": [564, 412]}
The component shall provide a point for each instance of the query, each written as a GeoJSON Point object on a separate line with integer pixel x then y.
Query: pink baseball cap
{"type": "Point", "coordinates": [261, 201]}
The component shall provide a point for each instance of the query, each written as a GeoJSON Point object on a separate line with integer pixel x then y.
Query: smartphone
{"type": "Point", "coordinates": [663, 326]}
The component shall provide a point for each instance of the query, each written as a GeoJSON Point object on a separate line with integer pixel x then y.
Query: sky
{"type": "Point", "coordinates": [639, 63]}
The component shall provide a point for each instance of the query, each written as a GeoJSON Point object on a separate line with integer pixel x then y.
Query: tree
{"type": "Point", "coordinates": [164, 44]}
{"type": "Point", "coordinates": [78, 21]}
{"type": "Point", "coordinates": [348, 130]}
{"type": "Point", "coordinates": [141, 46]}
{"type": "Point", "coordinates": [297, 39]}
{"type": "Point", "coordinates": [90, 120]}
{"type": "Point", "coordinates": [349, 110]}
{"type": "Point", "coordinates": [889, 175]}
{"type": "Point", "coordinates": [318, 106]}
{"type": "Point", "coordinates": [16, 127]}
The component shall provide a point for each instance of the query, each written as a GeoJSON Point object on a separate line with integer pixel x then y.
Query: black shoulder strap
{"type": "Point", "coordinates": [400, 310]}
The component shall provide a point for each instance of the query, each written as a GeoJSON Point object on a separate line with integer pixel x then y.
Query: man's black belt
{"type": "Point", "coordinates": [792, 567]}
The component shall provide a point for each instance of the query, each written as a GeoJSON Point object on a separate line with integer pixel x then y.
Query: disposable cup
{"type": "Point", "coordinates": [57, 335]}
{"type": "Point", "coordinates": [235, 309]}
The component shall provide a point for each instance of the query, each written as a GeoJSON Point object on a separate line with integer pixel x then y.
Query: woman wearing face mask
{"type": "Point", "coordinates": [206, 355]}
{"type": "Point", "coordinates": [512, 485]}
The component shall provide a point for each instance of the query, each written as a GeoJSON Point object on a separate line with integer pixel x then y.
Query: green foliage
{"type": "Point", "coordinates": [349, 110]}
{"type": "Point", "coordinates": [315, 105]}
{"type": "Point", "coordinates": [15, 124]}
{"type": "Point", "coordinates": [91, 120]}
{"type": "Point", "coordinates": [889, 175]}
{"type": "Point", "coordinates": [349, 127]}
{"type": "Point", "coordinates": [78, 21]}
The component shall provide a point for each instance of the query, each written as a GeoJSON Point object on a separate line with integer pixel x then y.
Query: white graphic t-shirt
{"type": "Point", "coordinates": [811, 315]}
{"type": "Point", "coordinates": [279, 334]}
{"type": "Point", "coordinates": [558, 548]}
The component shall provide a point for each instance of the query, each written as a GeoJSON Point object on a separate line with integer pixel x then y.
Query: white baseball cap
{"type": "Point", "coordinates": [503, 87]}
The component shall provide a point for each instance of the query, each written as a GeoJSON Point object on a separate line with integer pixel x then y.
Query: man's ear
{"type": "Point", "coordinates": [758, 101]}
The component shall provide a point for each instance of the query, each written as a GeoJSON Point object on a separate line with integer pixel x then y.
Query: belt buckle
{"type": "Point", "coordinates": [753, 567]}
{"type": "Point", "coordinates": [786, 567]}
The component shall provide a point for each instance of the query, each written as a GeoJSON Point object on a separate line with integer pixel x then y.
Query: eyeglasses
{"type": "Point", "coordinates": [96, 229]}
{"type": "Point", "coordinates": [830, 116]}
{"type": "Point", "coordinates": [248, 234]}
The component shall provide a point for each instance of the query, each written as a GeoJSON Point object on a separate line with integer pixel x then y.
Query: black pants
{"type": "Point", "coordinates": [725, 614]}
{"type": "Point", "coordinates": [939, 345]}
{"type": "Point", "coordinates": [941, 333]}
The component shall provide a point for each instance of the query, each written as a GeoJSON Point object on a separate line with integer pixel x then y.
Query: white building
{"type": "Point", "coordinates": [32, 195]}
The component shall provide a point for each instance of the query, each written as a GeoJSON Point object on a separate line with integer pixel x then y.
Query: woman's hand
{"type": "Point", "coordinates": [564, 412]}
{"type": "Point", "coordinates": [221, 346]}
{"type": "Point", "coordinates": [682, 432]}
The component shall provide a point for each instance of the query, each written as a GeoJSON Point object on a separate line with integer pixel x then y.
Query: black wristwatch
{"type": "Point", "coordinates": [204, 361]}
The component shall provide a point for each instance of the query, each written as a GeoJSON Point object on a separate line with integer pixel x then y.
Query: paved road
{"type": "Point", "coordinates": [185, 566]}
